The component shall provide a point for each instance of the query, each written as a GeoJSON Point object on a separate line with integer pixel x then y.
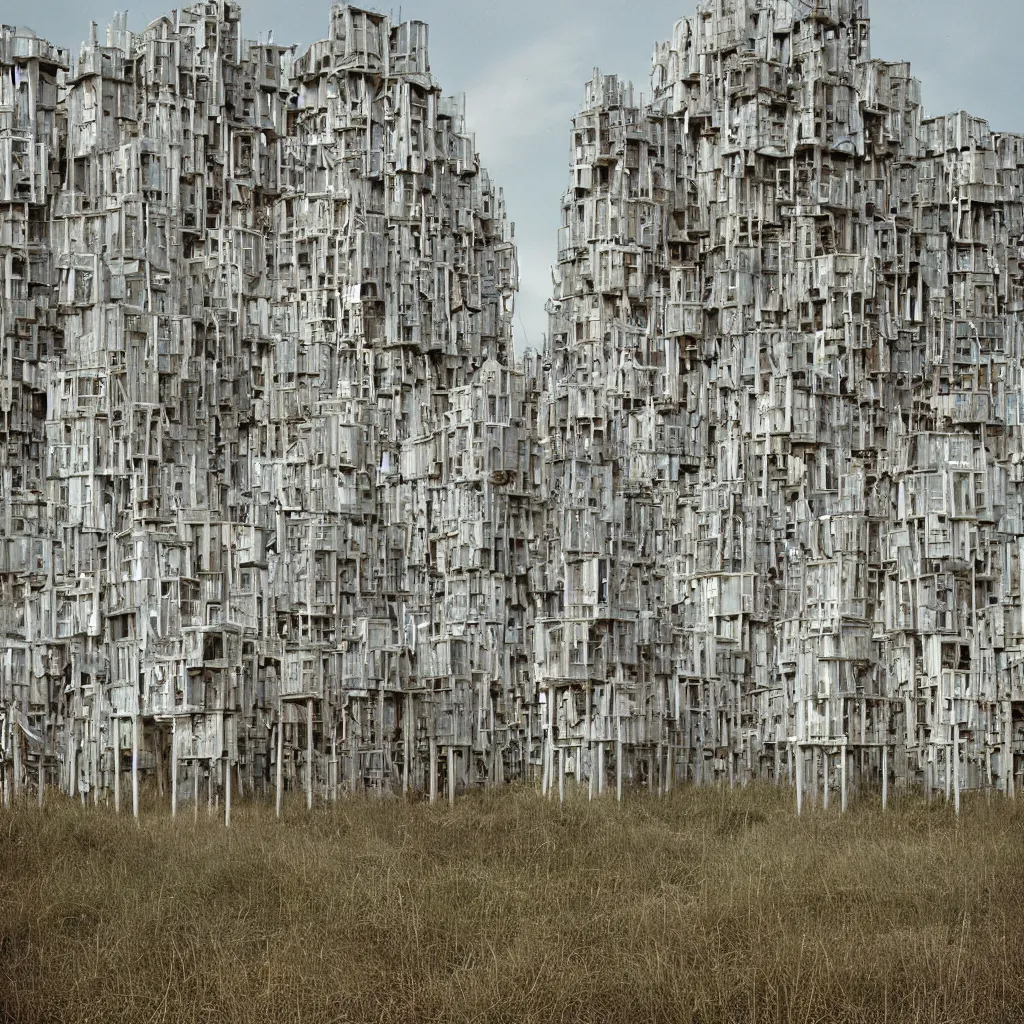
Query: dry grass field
{"type": "Point", "coordinates": [707, 906]}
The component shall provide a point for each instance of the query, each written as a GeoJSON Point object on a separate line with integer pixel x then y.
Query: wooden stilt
{"type": "Point", "coordinates": [842, 780]}
{"type": "Point", "coordinates": [309, 754]}
{"type": "Point", "coordinates": [956, 769]}
{"type": "Point", "coordinates": [334, 763]}
{"type": "Point", "coordinates": [115, 727]}
{"type": "Point", "coordinates": [451, 775]}
{"type": "Point", "coordinates": [885, 777]}
{"type": "Point", "coordinates": [158, 746]}
{"type": "Point", "coordinates": [135, 767]}
{"type": "Point", "coordinates": [589, 712]}
{"type": "Point", "coordinates": [433, 770]}
{"type": "Point", "coordinates": [618, 758]}
{"type": "Point", "coordinates": [799, 772]}
{"type": "Point", "coordinates": [227, 791]}
{"type": "Point", "coordinates": [406, 744]}
{"type": "Point", "coordinates": [174, 767]}
{"type": "Point", "coordinates": [1011, 782]}
{"type": "Point", "coordinates": [279, 767]}
{"type": "Point", "coordinates": [561, 775]}
{"type": "Point", "coordinates": [16, 751]}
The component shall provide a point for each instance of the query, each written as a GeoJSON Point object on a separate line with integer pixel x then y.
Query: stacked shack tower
{"type": "Point", "coordinates": [280, 510]}
{"type": "Point", "coordinates": [783, 419]}
{"type": "Point", "coordinates": [266, 458]}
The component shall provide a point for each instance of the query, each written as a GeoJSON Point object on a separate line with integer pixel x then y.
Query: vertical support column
{"type": "Point", "coordinates": [7, 772]}
{"type": "Point", "coordinates": [600, 767]}
{"type": "Point", "coordinates": [796, 753]}
{"type": "Point", "coordinates": [279, 767]}
{"type": "Point", "coordinates": [16, 749]}
{"type": "Point", "coordinates": [1011, 782]}
{"type": "Point", "coordinates": [433, 770]}
{"type": "Point", "coordinates": [135, 767]}
{"type": "Point", "coordinates": [195, 791]}
{"type": "Point", "coordinates": [956, 769]}
{"type": "Point", "coordinates": [174, 767]}
{"type": "Point", "coordinates": [843, 780]}
{"type": "Point", "coordinates": [545, 750]}
{"type": "Point", "coordinates": [552, 718]}
{"type": "Point", "coordinates": [407, 744]}
{"type": "Point", "coordinates": [451, 774]}
{"type": "Point", "coordinates": [825, 766]}
{"type": "Point", "coordinates": [618, 758]}
{"type": "Point", "coordinates": [115, 728]}
{"type": "Point", "coordinates": [590, 743]}
{"type": "Point", "coordinates": [309, 754]}
{"type": "Point", "coordinates": [885, 777]}
{"type": "Point", "coordinates": [561, 775]}
{"type": "Point", "coordinates": [333, 773]}
{"type": "Point", "coordinates": [159, 750]}
{"type": "Point", "coordinates": [42, 776]}
{"type": "Point", "coordinates": [227, 791]}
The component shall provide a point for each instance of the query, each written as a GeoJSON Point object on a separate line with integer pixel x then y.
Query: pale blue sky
{"type": "Point", "coordinates": [522, 65]}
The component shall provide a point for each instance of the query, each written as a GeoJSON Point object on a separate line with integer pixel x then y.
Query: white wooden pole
{"type": "Point", "coordinates": [135, 767]}
{"type": "Point", "coordinates": [545, 750]}
{"type": "Point", "coordinates": [618, 758]}
{"type": "Point", "coordinates": [885, 777]}
{"type": "Point", "coordinates": [334, 761]}
{"type": "Point", "coordinates": [1011, 782]}
{"type": "Point", "coordinates": [279, 768]}
{"type": "Point", "coordinates": [799, 772]}
{"type": "Point", "coordinates": [433, 770]}
{"type": "Point", "coordinates": [407, 743]}
{"type": "Point", "coordinates": [451, 774]}
{"type": "Point", "coordinates": [590, 743]}
{"type": "Point", "coordinates": [843, 792]}
{"type": "Point", "coordinates": [309, 754]}
{"type": "Point", "coordinates": [16, 745]}
{"type": "Point", "coordinates": [174, 767]}
{"type": "Point", "coordinates": [115, 725]}
{"type": "Point", "coordinates": [956, 769]}
{"type": "Point", "coordinates": [227, 791]}
{"type": "Point", "coordinates": [561, 775]}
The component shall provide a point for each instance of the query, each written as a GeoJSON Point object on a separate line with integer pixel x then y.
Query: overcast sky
{"type": "Point", "coordinates": [522, 65]}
